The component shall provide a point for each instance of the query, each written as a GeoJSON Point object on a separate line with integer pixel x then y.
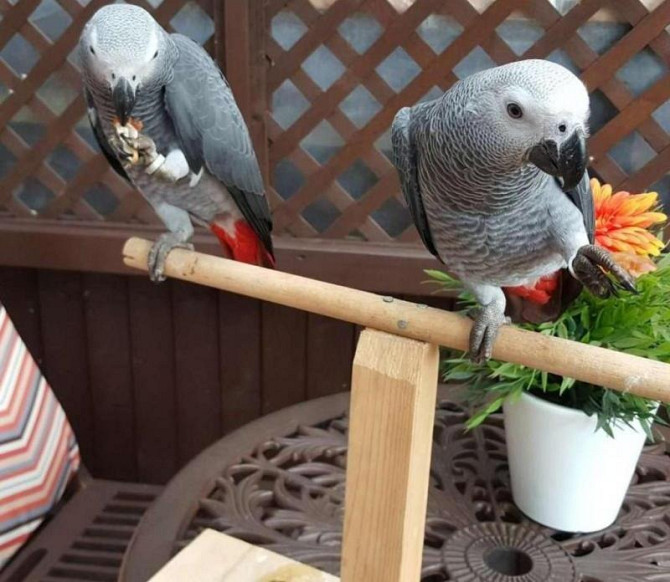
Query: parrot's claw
{"type": "Point", "coordinates": [484, 331]}
{"type": "Point", "coordinates": [145, 148]}
{"type": "Point", "coordinates": [588, 267]}
{"type": "Point", "coordinates": [160, 250]}
{"type": "Point", "coordinates": [134, 147]}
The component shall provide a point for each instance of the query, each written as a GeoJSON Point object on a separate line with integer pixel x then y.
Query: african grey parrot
{"type": "Point", "coordinates": [494, 175]}
{"type": "Point", "coordinates": [166, 119]}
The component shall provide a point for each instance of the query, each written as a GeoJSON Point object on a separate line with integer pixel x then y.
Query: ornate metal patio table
{"type": "Point", "coordinates": [279, 482]}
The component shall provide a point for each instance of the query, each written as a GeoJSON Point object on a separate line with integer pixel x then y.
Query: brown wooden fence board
{"type": "Point", "coordinates": [196, 353]}
{"type": "Point", "coordinates": [284, 357]}
{"type": "Point", "coordinates": [20, 296]}
{"type": "Point", "coordinates": [65, 341]}
{"type": "Point", "coordinates": [110, 374]}
{"type": "Point", "coordinates": [153, 369]}
{"type": "Point", "coordinates": [240, 359]}
{"type": "Point", "coordinates": [330, 347]}
{"type": "Point", "coordinates": [149, 374]}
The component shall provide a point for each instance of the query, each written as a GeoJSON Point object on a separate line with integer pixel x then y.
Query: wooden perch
{"type": "Point", "coordinates": [599, 366]}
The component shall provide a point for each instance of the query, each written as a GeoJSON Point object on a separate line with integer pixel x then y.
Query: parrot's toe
{"type": "Point", "coordinates": [484, 333]}
{"type": "Point", "coordinates": [159, 252]}
{"type": "Point", "coordinates": [136, 148]}
{"type": "Point", "coordinates": [591, 265]}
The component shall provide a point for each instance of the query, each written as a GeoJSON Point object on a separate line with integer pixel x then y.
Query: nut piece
{"type": "Point", "coordinates": [128, 133]}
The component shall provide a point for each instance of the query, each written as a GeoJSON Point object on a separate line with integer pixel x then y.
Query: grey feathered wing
{"type": "Point", "coordinates": [212, 132]}
{"type": "Point", "coordinates": [405, 161]}
{"type": "Point", "coordinates": [100, 137]}
{"type": "Point", "coordinates": [582, 198]}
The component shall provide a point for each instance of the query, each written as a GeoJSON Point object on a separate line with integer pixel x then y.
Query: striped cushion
{"type": "Point", "coordinates": [38, 451]}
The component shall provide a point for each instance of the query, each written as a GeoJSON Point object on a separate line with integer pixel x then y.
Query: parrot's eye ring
{"type": "Point", "coordinates": [514, 111]}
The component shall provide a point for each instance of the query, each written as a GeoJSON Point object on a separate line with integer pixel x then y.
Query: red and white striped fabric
{"type": "Point", "coordinates": [38, 451]}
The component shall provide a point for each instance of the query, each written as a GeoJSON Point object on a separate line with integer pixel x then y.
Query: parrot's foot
{"type": "Point", "coordinates": [487, 324]}
{"type": "Point", "coordinates": [139, 149]}
{"type": "Point", "coordinates": [161, 249]}
{"type": "Point", "coordinates": [588, 267]}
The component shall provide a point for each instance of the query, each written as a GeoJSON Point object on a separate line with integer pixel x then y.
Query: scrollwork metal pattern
{"type": "Point", "coordinates": [287, 494]}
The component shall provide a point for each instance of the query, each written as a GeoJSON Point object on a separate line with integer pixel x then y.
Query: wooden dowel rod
{"type": "Point", "coordinates": [598, 366]}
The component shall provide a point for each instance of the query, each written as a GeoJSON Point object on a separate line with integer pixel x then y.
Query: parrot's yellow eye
{"type": "Point", "coordinates": [514, 111]}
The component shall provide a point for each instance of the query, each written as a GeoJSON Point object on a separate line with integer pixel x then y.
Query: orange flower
{"type": "Point", "coordinates": [636, 265]}
{"type": "Point", "coordinates": [622, 220]}
{"type": "Point", "coordinates": [622, 223]}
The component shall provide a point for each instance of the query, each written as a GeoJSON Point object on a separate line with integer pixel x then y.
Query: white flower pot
{"type": "Point", "coordinates": [564, 473]}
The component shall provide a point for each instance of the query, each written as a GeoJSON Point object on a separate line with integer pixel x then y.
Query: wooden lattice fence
{"type": "Point", "coordinates": [319, 82]}
{"type": "Point", "coordinates": [348, 69]}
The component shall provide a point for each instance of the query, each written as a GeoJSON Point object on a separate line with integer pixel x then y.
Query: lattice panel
{"type": "Point", "coordinates": [338, 72]}
{"type": "Point", "coordinates": [49, 163]}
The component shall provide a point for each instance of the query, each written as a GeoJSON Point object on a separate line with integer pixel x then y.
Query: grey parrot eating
{"type": "Point", "coordinates": [166, 119]}
{"type": "Point", "coordinates": [494, 175]}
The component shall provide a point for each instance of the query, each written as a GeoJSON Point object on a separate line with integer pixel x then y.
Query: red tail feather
{"type": "Point", "coordinates": [539, 293]}
{"type": "Point", "coordinates": [243, 244]}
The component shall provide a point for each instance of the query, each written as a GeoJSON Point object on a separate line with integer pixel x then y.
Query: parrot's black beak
{"type": "Point", "coordinates": [123, 96]}
{"type": "Point", "coordinates": [567, 163]}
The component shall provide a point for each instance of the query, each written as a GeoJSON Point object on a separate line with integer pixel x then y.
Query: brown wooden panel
{"type": "Point", "coordinates": [19, 295]}
{"type": "Point", "coordinates": [387, 267]}
{"type": "Point", "coordinates": [110, 373]}
{"type": "Point", "coordinates": [153, 365]}
{"type": "Point", "coordinates": [240, 360]}
{"type": "Point", "coordinates": [330, 352]}
{"type": "Point", "coordinates": [196, 353]}
{"type": "Point", "coordinates": [66, 352]}
{"type": "Point", "coordinates": [284, 353]}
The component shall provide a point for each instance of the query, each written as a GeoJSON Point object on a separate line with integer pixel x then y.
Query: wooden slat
{"type": "Point", "coordinates": [110, 373]}
{"type": "Point", "coordinates": [301, 50]}
{"type": "Point", "coordinates": [330, 351]}
{"type": "Point", "coordinates": [240, 360]}
{"type": "Point", "coordinates": [235, 28]}
{"type": "Point", "coordinates": [562, 28]}
{"type": "Point", "coordinates": [15, 18]}
{"type": "Point", "coordinates": [39, 74]}
{"type": "Point", "coordinates": [19, 294]}
{"type": "Point", "coordinates": [196, 353]}
{"type": "Point", "coordinates": [153, 367]}
{"type": "Point", "coordinates": [392, 412]}
{"type": "Point", "coordinates": [216, 557]}
{"type": "Point", "coordinates": [383, 267]}
{"type": "Point", "coordinates": [649, 173]}
{"type": "Point", "coordinates": [66, 352]}
{"type": "Point", "coordinates": [607, 65]}
{"type": "Point", "coordinates": [284, 352]}
{"type": "Point", "coordinates": [630, 117]}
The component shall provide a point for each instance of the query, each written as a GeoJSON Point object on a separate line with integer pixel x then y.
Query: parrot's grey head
{"type": "Point", "coordinates": [123, 51]}
{"type": "Point", "coordinates": [530, 112]}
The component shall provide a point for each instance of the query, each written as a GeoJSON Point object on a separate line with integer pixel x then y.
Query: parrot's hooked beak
{"type": "Point", "coordinates": [124, 97]}
{"type": "Point", "coordinates": [567, 163]}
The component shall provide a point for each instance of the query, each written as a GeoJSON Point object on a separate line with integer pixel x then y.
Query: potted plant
{"type": "Point", "coordinates": [573, 447]}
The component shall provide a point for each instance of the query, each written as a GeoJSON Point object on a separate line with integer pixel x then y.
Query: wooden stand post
{"type": "Point", "coordinates": [394, 388]}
